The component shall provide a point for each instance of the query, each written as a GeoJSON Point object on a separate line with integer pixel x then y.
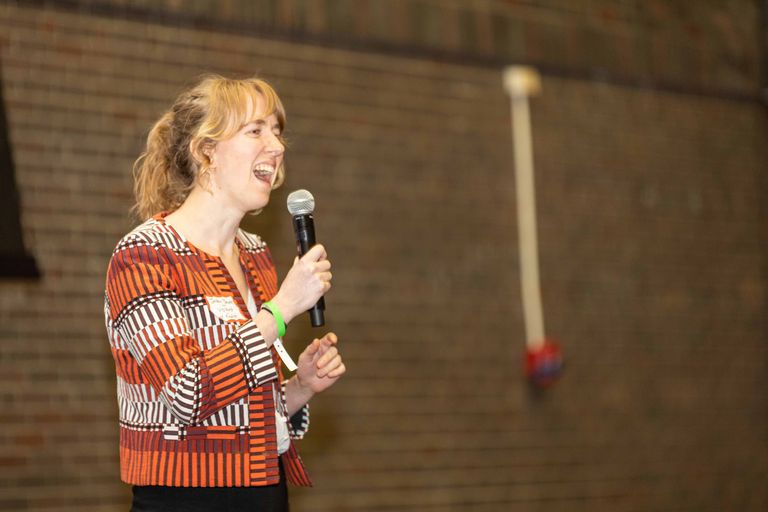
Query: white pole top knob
{"type": "Point", "coordinates": [521, 81]}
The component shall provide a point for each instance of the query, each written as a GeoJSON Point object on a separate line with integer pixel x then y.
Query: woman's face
{"type": "Point", "coordinates": [244, 167]}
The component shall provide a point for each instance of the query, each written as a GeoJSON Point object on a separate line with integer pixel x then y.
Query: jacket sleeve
{"type": "Point", "coordinates": [147, 319]}
{"type": "Point", "coordinates": [298, 424]}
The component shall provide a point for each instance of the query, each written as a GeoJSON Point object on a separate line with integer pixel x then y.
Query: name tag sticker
{"type": "Point", "coordinates": [224, 308]}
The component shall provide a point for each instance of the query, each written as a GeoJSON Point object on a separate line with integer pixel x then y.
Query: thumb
{"type": "Point", "coordinates": [315, 253]}
{"type": "Point", "coordinates": [312, 348]}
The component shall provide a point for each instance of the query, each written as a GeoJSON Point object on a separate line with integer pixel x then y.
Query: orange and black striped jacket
{"type": "Point", "coordinates": [194, 375]}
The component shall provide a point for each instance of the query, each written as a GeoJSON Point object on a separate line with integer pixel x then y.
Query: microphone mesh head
{"type": "Point", "coordinates": [301, 202]}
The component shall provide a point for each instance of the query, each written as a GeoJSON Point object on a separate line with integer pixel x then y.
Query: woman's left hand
{"type": "Point", "coordinates": [320, 365]}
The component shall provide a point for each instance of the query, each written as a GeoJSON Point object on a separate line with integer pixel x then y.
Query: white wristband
{"type": "Point", "coordinates": [284, 355]}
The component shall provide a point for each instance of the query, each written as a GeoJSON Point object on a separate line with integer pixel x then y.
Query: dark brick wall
{"type": "Point", "coordinates": [709, 44]}
{"type": "Point", "coordinates": [650, 162]}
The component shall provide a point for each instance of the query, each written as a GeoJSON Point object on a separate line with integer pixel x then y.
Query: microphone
{"type": "Point", "coordinates": [301, 204]}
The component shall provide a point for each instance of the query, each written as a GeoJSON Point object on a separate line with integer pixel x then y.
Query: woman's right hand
{"type": "Point", "coordinates": [307, 281]}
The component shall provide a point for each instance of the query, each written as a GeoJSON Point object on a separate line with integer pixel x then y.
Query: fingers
{"type": "Point", "coordinates": [327, 356]}
{"type": "Point", "coordinates": [325, 278]}
{"type": "Point", "coordinates": [334, 368]}
{"type": "Point", "coordinates": [312, 348]}
{"type": "Point", "coordinates": [325, 342]}
{"type": "Point", "coordinates": [329, 363]}
{"type": "Point", "coordinates": [316, 253]}
{"type": "Point", "coordinates": [328, 341]}
{"type": "Point", "coordinates": [330, 338]}
{"type": "Point", "coordinates": [308, 280]}
{"type": "Point", "coordinates": [337, 372]}
{"type": "Point", "coordinates": [321, 268]}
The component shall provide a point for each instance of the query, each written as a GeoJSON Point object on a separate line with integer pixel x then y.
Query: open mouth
{"type": "Point", "coordinates": [264, 172]}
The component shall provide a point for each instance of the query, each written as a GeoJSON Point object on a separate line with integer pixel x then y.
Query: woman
{"type": "Point", "coordinates": [193, 312]}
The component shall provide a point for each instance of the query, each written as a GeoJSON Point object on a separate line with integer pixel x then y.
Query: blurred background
{"type": "Point", "coordinates": [650, 152]}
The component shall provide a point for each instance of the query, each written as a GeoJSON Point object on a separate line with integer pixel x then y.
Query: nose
{"type": "Point", "coordinates": [274, 145]}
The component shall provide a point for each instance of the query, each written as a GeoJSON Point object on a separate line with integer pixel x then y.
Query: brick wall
{"type": "Point", "coordinates": [651, 227]}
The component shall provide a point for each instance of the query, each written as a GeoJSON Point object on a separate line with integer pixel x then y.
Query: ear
{"type": "Point", "coordinates": [202, 150]}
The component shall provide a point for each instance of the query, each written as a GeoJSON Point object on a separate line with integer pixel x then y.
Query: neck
{"type": "Point", "coordinates": [207, 224]}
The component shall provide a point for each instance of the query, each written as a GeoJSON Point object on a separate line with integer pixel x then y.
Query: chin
{"type": "Point", "coordinates": [253, 213]}
{"type": "Point", "coordinates": [258, 206]}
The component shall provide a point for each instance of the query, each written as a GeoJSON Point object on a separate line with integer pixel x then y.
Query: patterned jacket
{"type": "Point", "coordinates": [194, 375]}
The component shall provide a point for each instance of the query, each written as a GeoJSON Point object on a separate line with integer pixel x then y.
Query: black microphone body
{"type": "Point", "coordinates": [304, 227]}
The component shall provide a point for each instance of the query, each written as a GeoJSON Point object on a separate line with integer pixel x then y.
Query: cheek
{"type": "Point", "coordinates": [234, 160]}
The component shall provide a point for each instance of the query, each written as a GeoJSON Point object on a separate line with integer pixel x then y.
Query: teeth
{"type": "Point", "coordinates": [263, 170]}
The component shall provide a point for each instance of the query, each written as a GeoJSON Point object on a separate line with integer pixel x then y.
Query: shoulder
{"type": "Point", "coordinates": [152, 234]}
{"type": "Point", "coordinates": [150, 243]}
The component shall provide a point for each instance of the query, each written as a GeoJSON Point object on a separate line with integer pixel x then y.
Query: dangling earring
{"type": "Point", "coordinates": [206, 169]}
{"type": "Point", "coordinates": [205, 177]}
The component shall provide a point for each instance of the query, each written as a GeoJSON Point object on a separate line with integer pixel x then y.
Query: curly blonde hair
{"type": "Point", "coordinates": [175, 157]}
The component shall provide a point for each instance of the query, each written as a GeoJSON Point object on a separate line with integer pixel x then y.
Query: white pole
{"type": "Point", "coordinates": [520, 83]}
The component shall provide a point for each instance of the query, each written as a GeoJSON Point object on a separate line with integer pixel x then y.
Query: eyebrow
{"type": "Point", "coordinates": [260, 122]}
